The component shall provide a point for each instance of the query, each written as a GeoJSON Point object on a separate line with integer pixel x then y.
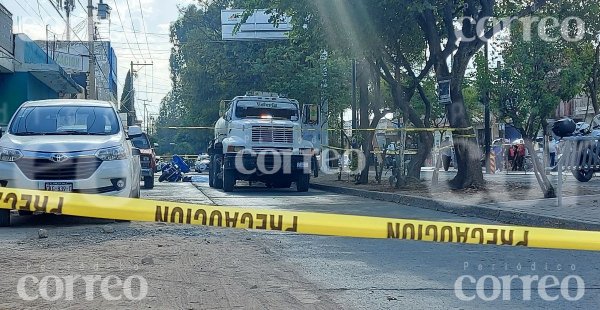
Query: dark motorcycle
{"type": "Point", "coordinates": [174, 170]}
{"type": "Point", "coordinates": [583, 157]}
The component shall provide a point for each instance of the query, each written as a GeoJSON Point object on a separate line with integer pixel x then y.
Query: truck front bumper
{"type": "Point", "coordinates": [268, 163]}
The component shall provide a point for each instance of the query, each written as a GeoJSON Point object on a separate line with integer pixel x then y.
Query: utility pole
{"type": "Point", "coordinates": [47, 44]}
{"type": "Point", "coordinates": [133, 86]}
{"type": "Point", "coordinates": [146, 113]}
{"type": "Point", "coordinates": [92, 58]}
{"type": "Point", "coordinates": [69, 6]}
{"type": "Point", "coordinates": [353, 96]}
{"type": "Point", "coordinates": [486, 102]}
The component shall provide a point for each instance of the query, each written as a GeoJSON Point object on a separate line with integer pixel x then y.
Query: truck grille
{"type": "Point", "coordinates": [272, 134]}
{"type": "Point", "coordinates": [77, 168]}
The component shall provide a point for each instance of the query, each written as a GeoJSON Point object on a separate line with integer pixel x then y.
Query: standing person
{"type": "Point", "coordinates": [513, 157]}
{"type": "Point", "coordinates": [521, 156]}
{"type": "Point", "coordinates": [552, 149]}
{"type": "Point", "coordinates": [446, 150]}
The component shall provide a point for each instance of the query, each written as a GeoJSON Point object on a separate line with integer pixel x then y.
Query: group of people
{"type": "Point", "coordinates": [516, 157]}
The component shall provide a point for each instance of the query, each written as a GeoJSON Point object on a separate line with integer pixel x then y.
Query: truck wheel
{"type": "Point", "coordinates": [303, 183]}
{"type": "Point", "coordinates": [218, 167]}
{"type": "Point", "coordinates": [228, 180]}
{"type": "Point", "coordinates": [149, 182]}
{"type": "Point", "coordinates": [282, 184]}
{"type": "Point", "coordinates": [211, 177]}
{"type": "Point", "coordinates": [4, 218]}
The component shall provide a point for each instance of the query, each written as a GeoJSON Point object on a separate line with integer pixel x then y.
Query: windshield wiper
{"type": "Point", "coordinates": [29, 133]}
{"type": "Point", "coordinates": [71, 132]}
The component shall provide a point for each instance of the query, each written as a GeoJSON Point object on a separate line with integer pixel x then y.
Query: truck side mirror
{"type": "Point", "coordinates": [310, 114]}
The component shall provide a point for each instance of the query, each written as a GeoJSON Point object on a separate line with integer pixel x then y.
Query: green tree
{"type": "Point", "coordinates": [538, 75]}
{"type": "Point", "coordinates": [206, 70]}
{"type": "Point", "coordinates": [127, 105]}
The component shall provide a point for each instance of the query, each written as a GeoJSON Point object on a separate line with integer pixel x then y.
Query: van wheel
{"type": "Point", "coordinates": [4, 218]}
{"type": "Point", "coordinates": [303, 183]}
{"type": "Point", "coordinates": [149, 182]}
{"type": "Point", "coordinates": [228, 180]}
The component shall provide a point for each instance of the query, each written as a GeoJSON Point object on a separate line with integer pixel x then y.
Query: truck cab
{"type": "Point", "coordinates": [259, 138]}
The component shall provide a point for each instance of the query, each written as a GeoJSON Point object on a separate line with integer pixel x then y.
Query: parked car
{"type": "Point", "coordinates": [202, 163]}
{"type": "Point", "coordinates": [69, 145]}
{"type": "Point", "coordinates": [147, 158]}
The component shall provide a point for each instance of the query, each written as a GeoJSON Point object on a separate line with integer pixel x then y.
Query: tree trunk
{"type": "Point", "coordinates": [418, 161]}
{"type": "Point", "coordinates": [540, 171]}
{"type": "Point", "coordinates": [594, 82]}
{"type": "Point", "coordinates": [468, 155]}
{"type": "Point", "coordinates": [365, 134]}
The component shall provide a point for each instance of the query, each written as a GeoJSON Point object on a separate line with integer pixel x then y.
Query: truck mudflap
{"type": "Point", "coordinates": [268, 163]}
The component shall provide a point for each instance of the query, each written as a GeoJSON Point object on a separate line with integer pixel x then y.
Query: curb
{"type": "Point", "coordinates": [479, 211]}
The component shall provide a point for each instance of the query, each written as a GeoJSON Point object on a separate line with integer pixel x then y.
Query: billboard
{"type": "Point", "coordinates": [257, 27]}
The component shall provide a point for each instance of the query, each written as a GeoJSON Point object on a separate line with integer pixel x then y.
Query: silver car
{"type": "Point", "coordinates": [77, 146]}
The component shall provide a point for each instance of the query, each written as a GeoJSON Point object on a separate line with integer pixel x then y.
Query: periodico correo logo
{"type": "Point", "coordinates": [510, 286]}
{"type": "Point", "coordinates": [54, 288]}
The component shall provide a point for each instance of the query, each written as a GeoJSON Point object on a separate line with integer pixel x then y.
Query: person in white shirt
{"type": "Point", "coordinates": [552, 149]}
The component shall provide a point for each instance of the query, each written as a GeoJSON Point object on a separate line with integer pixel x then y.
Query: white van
{"type": "Point", "coordinates": [68, 145]}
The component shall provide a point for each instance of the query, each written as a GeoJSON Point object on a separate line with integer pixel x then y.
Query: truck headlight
{"type": "Point", "coordinates": [234, 149]}
{"type": "Point", "coordinates": [10, 154]}
{"type": "Point", "coordinates": [113, 153]}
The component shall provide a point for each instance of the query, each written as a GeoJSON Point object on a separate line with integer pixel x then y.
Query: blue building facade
{"type": "Point", "coordinates": [27, 72]}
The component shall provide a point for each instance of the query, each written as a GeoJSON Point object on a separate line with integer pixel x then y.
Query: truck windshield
{"type": "Point", "coordinates": [267, 110]}
{"type": "Point", "coordinates": [65, 120]}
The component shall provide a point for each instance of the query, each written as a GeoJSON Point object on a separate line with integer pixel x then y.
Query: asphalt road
{"type": "Point", "coordinates": [375, 274]}
{"type": "Point", "coordinates": [194, 267]}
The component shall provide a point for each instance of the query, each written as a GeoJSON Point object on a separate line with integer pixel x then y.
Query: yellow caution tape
{"type": "Point", "coordinates": [337, 129]}
{"type": "Point", "coordinates": [105, 207]}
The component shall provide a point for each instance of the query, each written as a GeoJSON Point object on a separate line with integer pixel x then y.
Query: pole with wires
{"type": "Point", "coordinates": [92, 58]}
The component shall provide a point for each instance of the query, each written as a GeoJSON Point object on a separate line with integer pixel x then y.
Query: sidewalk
{"type": "Point", "coordinates": [513, 199]}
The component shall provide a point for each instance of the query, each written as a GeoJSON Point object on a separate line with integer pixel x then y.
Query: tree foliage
{"type": "Point", "coordinates": [127, 105]}
{"type": "Point", "coordinates": [206, 70]}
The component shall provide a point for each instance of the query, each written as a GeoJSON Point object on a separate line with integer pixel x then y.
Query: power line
{"type": "Point", "coordinates": [123, 27]}
{"type": "Point", "coordinates": [148, 33]}
{"type": "Point", "coordinates": [145, 30]}
{"type": "Point", "coordinates": [133, 27]}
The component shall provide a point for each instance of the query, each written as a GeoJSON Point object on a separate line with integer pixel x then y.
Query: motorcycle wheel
{"type": "Point", "coordinates": [162, 178]}
{"type": "Point", "coordinates": [583, 175]}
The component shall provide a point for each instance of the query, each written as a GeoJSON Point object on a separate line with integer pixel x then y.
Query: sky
{"type": "Point", "coordinates": [150, 18]}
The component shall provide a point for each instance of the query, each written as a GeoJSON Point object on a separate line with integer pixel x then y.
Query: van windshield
{"type": "Point", "coordinates": [65, 120]}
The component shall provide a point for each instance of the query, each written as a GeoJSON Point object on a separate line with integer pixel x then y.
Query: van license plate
{"type": "Point", "coordinates": [59, 187]}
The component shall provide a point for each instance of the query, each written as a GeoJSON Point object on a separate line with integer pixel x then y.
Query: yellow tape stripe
{"type": "Point", "coordinates": [105, 207]}
{"type": "Point", "coordinates": [334, 129]}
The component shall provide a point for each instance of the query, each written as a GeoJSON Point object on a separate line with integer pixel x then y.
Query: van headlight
{"type": "Point", "coordinates": [113, 153]}
{"type": "Point", "coordinates": [10, 154]}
